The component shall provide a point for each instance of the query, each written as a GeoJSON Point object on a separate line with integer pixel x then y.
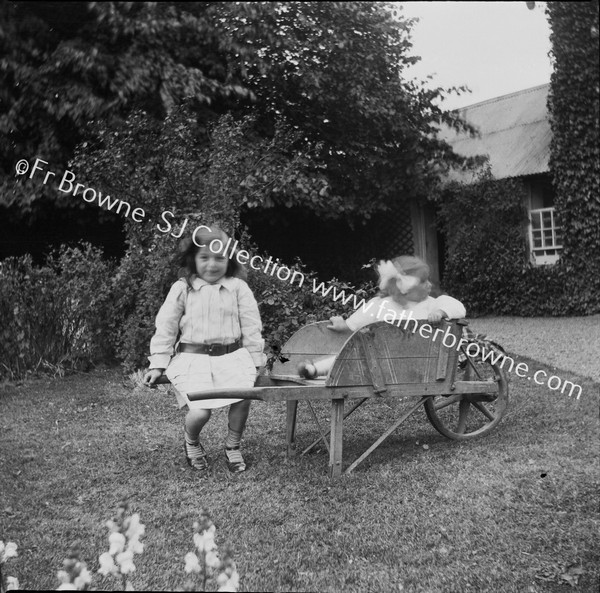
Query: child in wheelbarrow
{"type": "Point", "coordinates": [404, 294]}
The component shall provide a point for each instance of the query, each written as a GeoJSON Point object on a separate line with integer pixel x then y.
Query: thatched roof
{"type": "Point", "coordinates": [514, 133]}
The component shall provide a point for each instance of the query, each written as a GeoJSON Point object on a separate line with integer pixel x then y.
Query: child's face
{"type": "Point", "coordinates": [210, 266]}
{"type": "Point", "coordinates": [419, 292]}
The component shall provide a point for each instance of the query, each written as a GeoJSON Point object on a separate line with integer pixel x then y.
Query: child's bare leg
{"type": "Point", "coordinates": [194, 423]}
{"type": "Point", "coordinates": [238, 414]}
{"type": "Point", "coordinates": [194, 451]}
{"type": "Point", "coordinates": [324, 365]}
{"type": "Point", "coordinates": [311, 370]}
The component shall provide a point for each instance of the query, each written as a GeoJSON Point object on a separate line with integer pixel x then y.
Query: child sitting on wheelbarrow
{"type": "Point", "coordinates": [404, 294]}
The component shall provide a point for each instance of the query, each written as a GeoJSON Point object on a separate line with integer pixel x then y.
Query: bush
{"type": "Point", "coordinates": [55, 316]}
{"type": "Point", "coordinates": [285, 306]}
{"type": "Point", "coordinates": [140, 286]}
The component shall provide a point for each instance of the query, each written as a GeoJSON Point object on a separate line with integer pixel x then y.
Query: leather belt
{"type": "Point", "coordinates": [210, 349]}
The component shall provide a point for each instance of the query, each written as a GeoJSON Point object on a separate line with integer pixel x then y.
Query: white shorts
{"type": "Point", "coordinates": [190, 372]}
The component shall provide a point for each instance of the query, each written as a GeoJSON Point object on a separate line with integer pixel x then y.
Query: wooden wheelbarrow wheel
{"type": "Point", "coordinates": [467, 416]}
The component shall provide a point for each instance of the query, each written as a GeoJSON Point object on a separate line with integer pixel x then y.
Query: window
{"type": "Point", "coordinates": [545, 233]}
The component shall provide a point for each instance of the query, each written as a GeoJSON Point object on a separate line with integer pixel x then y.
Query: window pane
{"type": "Point", "coordinates": [548, 237]}
{"type": "Point", "coordinates": [537, 239]}
{"type": "Point", "coordinates": [558, 236]}
{"type": "Point", "coordinates": [546, 219]}
{"type": "Point", "coordinates": [535, 220]}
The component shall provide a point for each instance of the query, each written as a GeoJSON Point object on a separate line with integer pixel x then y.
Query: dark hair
{"type": "Point", "coordinates": [189, 248]}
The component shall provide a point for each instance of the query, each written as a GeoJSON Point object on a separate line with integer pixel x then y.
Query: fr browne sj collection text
{"type": "Point", "coordinates": [69, 185]}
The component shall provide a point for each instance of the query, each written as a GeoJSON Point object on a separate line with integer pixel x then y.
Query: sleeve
{"type": "Point", "coordinates": [167, 327]}
{"type": "Point", "coordinates": [453, 308]}
{"type": "Point", "coordinates": [366, 315]}
{"type": "Point", "coordinates": [251, 324]}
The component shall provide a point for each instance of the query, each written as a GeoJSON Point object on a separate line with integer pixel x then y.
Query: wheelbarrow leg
{"type": "Point", "coordinates": [335, 448]}
{"type": "Point", "coordinates": [292, 409]}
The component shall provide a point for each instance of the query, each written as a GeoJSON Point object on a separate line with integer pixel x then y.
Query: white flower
{"type": "Point", "coordinates": [231, 584]}
{"type": "Point", "coordinates": [10, 550]}
{"type": "Point", "coordinates": [63, 576]}
{"type": "Point", "coordinates": [135, 530]}
{"type": "Point", "coordinates": [192, 564]}
{"type": "Point", "coordinates": [235, 580]}
{"type": "Point", "coordinates": [12, 583]}
{"type": "Point", "coordinates": [117, 543]}
{"type": "Point", "coordinates": [135, 546]}
{"type": "Point", "coordinates": [212, 560]}
{"type": "Point", "coordinates": [228, 583]}
{"type": "Point", "coordinates": [107, 564]}
{"type": "Point", "coordinates": [205, 542]}
{"type": "Point", "coordinates": [125, 562]}
{"type": "Point", "coordinates": [84, 579]}
{"type": "Point", "coordinates": [199, 541]}
{"type": "Point", "coordinates": [7, 551]}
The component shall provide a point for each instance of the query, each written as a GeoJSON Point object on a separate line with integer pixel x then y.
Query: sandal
{"type": "Point", "coordinates": [235, 461]}
{"type": "Point", "coordinates": [196, 456]}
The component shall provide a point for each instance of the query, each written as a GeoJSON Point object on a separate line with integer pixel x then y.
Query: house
{"type": "Point", "coordinates": [515, 134]}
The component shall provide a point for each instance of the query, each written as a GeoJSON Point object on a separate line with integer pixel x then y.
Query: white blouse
{"type": "Point", "coordinates": [386, 309]}
{"type": "Point", "coordinates": [204, 313]}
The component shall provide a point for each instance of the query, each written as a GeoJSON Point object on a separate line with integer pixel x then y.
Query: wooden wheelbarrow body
{"type": "Point", "coordinates": [381, 360]}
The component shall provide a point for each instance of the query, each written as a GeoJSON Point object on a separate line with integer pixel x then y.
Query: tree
{"type": "Point", "coordinates": [336, 71]}
{"type": "Point", "coordinates": [330, 73]}
{"type": "Point", "coordinates": [65, 64]}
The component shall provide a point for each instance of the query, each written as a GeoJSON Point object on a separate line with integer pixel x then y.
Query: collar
{"type": "Point", "coordinates": [227, 282]}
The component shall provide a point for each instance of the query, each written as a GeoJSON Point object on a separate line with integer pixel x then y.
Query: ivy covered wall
{"type": "Point", "coordinates": [574, 160]}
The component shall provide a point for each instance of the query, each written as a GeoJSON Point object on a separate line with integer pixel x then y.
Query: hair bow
{"type": "Point", "coordinates": [388, 271]}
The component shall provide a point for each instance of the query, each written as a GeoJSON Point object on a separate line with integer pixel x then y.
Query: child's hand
{"type": "Point", "coordinates": [337, 324]}
{"type": "Point", "coordinates": [151, 376]}
{"type": "Point", "coordinates": [436, 316]}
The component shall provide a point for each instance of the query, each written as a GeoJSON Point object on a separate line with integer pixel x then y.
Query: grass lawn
{"type": "Point", "coordinates": [515, 511]}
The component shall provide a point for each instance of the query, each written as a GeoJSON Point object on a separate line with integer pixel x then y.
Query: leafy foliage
{"type": "Point", "coordinates": [575, 157]}
{"type": "Point", "coordinates": [337, 72]}
{"type": "Point", "coordinates": [327, 80]}
{"type": "Point", "coordinates": [56, 316]}
{"type": "Point", "coordinates": [66, 63]}
{"type": "Point", "coordinates": [189, 167]}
